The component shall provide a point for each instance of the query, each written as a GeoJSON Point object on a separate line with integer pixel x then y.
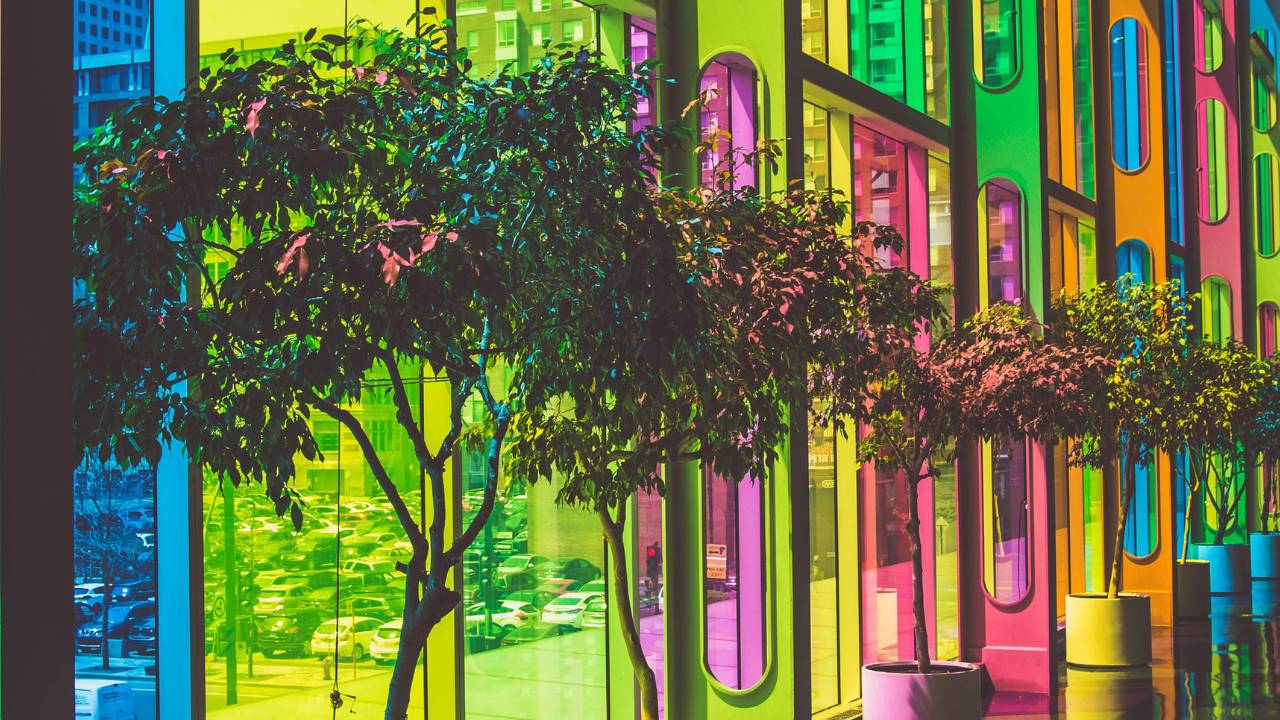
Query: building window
{"type": "Point", "coordinates": [1212, 157]}
{"type": "Point", "coordinates": [1268, 329]}
{"type": "Point", "coordinates": [541, 5]}
{"type": "Point", "coordinates": [1133, 259]}
{"type": "Point", "coordinates": [1130, 115]}
{"type": "Point", "coordinates": [1006, 552]}
{"type": "Point", "coordinates": [508, 5]}
{"type": "Point", "coordinates": [1263, 45]}
{"type": "Point", "coordinates": [996, 51]}
{"type": "Point", "coordinates": [1000, 230]}
{"type": "Point", "coordinates": [539, 34]}
{"type": "Point", "coordinates": [733, 580]}
{"type": "Point", "coordinates": [1265, 199]}
{"type": "Point", "coordinates": [506, 33]}
{"type": "Point", "coordinates": [1142, 529]}
{"type": "Point", "coordinates": [817, 166]}
{"type": "Point", "coordinates": [473, 40]}
{"type": "Point", "coordinates": [471, 7]}
{"type": "Point", "coordinates": [1215, 310]}
{"type": "Point", "coordinates": [728, 120]}
{"type": "Point", "coordinates": [937, 66]}
{"type": "Point", "coordinates": [813, 28]}
{"type": "Point", "coordinates": [880, 187]}
{"type": "Point", "coordinates": [824, 571]}
{"type": "Point", "coordinates": [573, 30]}
{"type": "Point", "coordinates": [1207, 36]}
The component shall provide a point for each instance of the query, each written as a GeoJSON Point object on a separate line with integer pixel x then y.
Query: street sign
{"type": "Point", "coordinates": [717, 562]}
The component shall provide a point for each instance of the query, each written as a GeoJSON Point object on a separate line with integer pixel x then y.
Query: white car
{"type": "Point", "coordinates": [386, 642]}
{"type": "Point", "coordinates": [513, 614]}
{"type": "Point", "coordinates": [350, 637]}
{"type": "Point", "coordinates": [90, 594]}
{"type": "Point", "coordinates": [275, 598]}
{"type": "Point", "coordinates": [369, 567]}
{"type": "Point", "coordinates": [595, 586]}
{"type": "Point", "coordinates": [519, 563]}
{"type": "Point", "coordinates": [567, 609]}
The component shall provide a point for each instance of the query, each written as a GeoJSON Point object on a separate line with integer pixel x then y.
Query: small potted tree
{"type": "Point", "coordinates": [925, 398]}
{"type": "Point", "coordinates": [1227, 452]}
{"type": "Point", "coordinates": [1143, 329]}
{"type": "Point", "coordinates": [1262, 436]}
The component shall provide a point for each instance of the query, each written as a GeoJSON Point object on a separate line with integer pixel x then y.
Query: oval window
{"type": "Point", "coordinates": [733, 580]}
{"type": "Point", "coordinates": [995, 50]}
{"type": "Point", "coordinates": [1264, 80]}
{"type": "Point", "coordinates": [1006, 541]}
{"type": "Point", "coordinates": [1130, 112]}
{"type": "Point", "coordinates": [1208, 37]}
{"type": "Point", "coordinates": [1264, 203]}
{"type": "Point", "coordinates": [1211, 116]}
{"type": "Point", "coordinates": [1268, 329]}
{"type": "Point", "coordinates": [1000, 225]}
{"type": "Point", "coordinates": [1215, 309]}
{"type": "Point", "coordinates": [728, 121]}
{"type": "Point", "coordinates": [1133, 259]}
{"type": "Point", "coordinates": [1142, 529]}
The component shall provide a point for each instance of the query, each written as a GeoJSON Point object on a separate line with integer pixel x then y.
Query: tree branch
{"type": "Point", "coordinates": [501, 421]}
{"type": "Point", "coordinates": [404, 412]}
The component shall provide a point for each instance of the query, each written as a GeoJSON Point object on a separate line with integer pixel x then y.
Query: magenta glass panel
{"type": "Point", "coordinates": [728, 119]}
{"type": "Point", "coordinates": [1003, 206]}
{"type": "Point", "coordinates": [733, 580]}
{"type": "Point", "coordinates": [650, 581]}
{"type": "Point", "coordinates": [1007, 575]}
{"type": "Point", "coordinates": [886, 567]}
{"type": "Point", "coordinates": [644, 46]}
{"type": "Point", "coordinates": [1268, 328]}
{"type": "Point", "coordinates": [880, 185]}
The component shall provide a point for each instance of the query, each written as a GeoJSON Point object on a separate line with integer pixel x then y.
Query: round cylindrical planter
{"type": "Point", "coordinates": [1191, 580]}
{"type": "Point", "coordinates": [895, 691]}
{"type": "Point", "coordinates": [1103, 632]}
{"type": "Point", "coordinates": [1228, 567]}
{"type": "Point", "coordinates": [1264, 556]}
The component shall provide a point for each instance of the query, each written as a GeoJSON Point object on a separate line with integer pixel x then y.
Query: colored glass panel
{"type": "Point", "coordinates": [1211, 118]}
{"type": "Point", "coordinates": [880, 186]}
{"type": "Point", "coordinates": [1266, 196]}
{"type": "Point", "coordinates": [824, 596]}
{"type": "Point", "coordinates": [878, 45]}
{"type": "Point", "coordinates": [651, 581]}
{"type": "Point", "coordinates": [1129, 104]}
{"type": "Point", "coordinates": [1173, 124]}
{"type": "Point", "coordinates": [1215, 310]}
{"type": "Point", "coordinates": [1069, 94]}
{"type": "Point", "coordinates": [1091, 491]}
{"type": "Point", "coordinates": [521, 35]}
{"type": "Point", "coordinates": [813, 28]}
{"type": "Point", "coordinates": [1072, 259]}
{"type": "Point", "coordinates": [644, 47]}
{"type": "Point", "coordinates": [1006, 540]}
{"type": "Point", "coordinates": [946, 546]}
{"type": "Point", "coordinates": [728, 121]}
{"type": "Point", "coordinates": [733, 580]}
{"type": "Point", "coordinates": [941, 260]}
{"type": "Point", "coordinates": [1208, 36]}
{"type": "Point", "coordinates": [1264, 81]}
{"type": "Point", "coordinates": [1000, 205]}
{"type": "Point", "coordinates": [996, 47]}
{"type": "Point", "coordinates": [1268, 329]}
{"type": "Point", "coordinates": [817, 143]}
{"type": "Point", "coordinates": [1142, 530]}
{"type": "Point", "coordinates": [937, 67]}
{"type": "Point", "coordinates": [886, 567]}
{"type": "Point", "coordinates": [1133, 259]}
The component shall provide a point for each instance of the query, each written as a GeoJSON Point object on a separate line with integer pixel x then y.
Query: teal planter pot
{"type": "Point", "coordinates": [1228, 568]}
{"type": "Point", "coordinates": [1264, 556]}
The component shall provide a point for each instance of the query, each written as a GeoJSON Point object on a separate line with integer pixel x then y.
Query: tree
{"type": "Point", "coordinates": [1118, 415]}
{"type": "Point", "coordinates": [385, 211]}
{"type": "Point", "coordinates": [1264, 436]}
{"type": "Point", "coordinates": [106, 543]}
{"type": "Point", "coordinates": [764, 287]}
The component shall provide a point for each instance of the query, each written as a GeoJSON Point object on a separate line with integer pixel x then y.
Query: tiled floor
{"type": "Point", "coordinates": [1225, 667]}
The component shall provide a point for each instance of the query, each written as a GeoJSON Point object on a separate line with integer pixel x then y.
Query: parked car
{"type": "Point", "coordinates": [506, 542]}
{"type": "Point", "coordinates": [525, 580]}
{"type": "Point", "coordinates": [573, 569]}
{"type": "Point", "coordinates": [595, 586]}
{"type": "Point", "coordinates": [279, 597]}
{"type": "Point", "coordinates": [368, 567]}
{"type": "Point", "coordinates": [567, 609]}
{"type": "Point", "coordinates": [348, 637]}
{"type": "Point", "coordinates": [386, 642]}
{"type": "Point", "coordinates": [134, 591]}
{"type": "Point", "coordinates": [532, 633]}
{"type": "Point", "coordinates": [520, 563]}
{"type": "Point", "coordinates": [370, 605]}
{"type": "Point", "coordinates": [120, 620]}
{"type": "Point", "coordinates": [595, 614]}
{"type": "Point", "coordinates": [142, 638]}
{"type": "Point", "coordinates": [558, 586]}
{"type": "Point", "coordinates": [536, 598]}
{"type": "Point", "coordinates": [288, 634]}
{"type": "Point", "coordinates": [509, 613]}
{"type": "Point", "coordinates": [90, 594]}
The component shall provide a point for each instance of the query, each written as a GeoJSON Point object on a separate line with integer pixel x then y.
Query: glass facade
{"type": "Point", "coordinates": [728, 119]}
{"type": "Point", "coordinates": [996, 46]}
{"type": "Point", "coordinates": [1214, 179]}
{"type": "Point", "coordinates": [1130, 112]}
{"type": "Point", "coordinates": [824, 571]}
{"type": "Point", "coordinates": [1215, 310]}
{"type": "Point", "coordinates": [1069, 94]}
{"type": "Point", "coordinates": [1133, 258]}
{"type": "Point", "coordinates": [1207, 33]}
{"type": "Point", "coordinates": [1266, 192]}
{"type": "Point", "coordinates": [1268, 329]}
{"type": "Point", "coordinates": [1000, 213]}
{"type": "Point", "coordinates": [733, 580]}
{"type": "Point", "coordinates": [880, 185]}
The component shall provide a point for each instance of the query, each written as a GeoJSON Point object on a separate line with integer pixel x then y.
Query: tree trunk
{"type": "Point", "coordinates": [1117, 548]}
{"type": "Point", "coordinates": [1193, 486]}
{"type": "Point", "coordinates": [438, 603]}
{"type": "Point", "coordinates": [923, 663]}
{"type": "Point", "coordinates": [106, 605]}
{"type": "Point", "coordinates": [645, 677]}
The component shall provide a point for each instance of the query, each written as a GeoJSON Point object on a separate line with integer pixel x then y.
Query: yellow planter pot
{"type": "Point", "coordinates": [1108, 633]}
{"type": "Point", "coordinates": [1191, 591]}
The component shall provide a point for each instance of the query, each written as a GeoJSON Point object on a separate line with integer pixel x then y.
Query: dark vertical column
{"type": "Point", "coordinates": [964, 234]}
{"type": "Point", "coordinates": [37, 452]}
{"type": "Point", "coordinates": [1190, 158]}
{"type": "Point", "coordinates": [1244, 126]}
{"type": "Point", "coordinates": [1104, 170]}
{"type": "Point", "coordinates": [678, 50]}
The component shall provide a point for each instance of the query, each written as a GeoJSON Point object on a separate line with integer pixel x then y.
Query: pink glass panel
{"type": "Point", "coordinates": [1009, 531]}
{"type": "Point", "coordinates": [644, 46]}
{"type": "Point", "coordinates": [728, 119]}
{"type": "Point", "coordinates": [1268, 328]}
{"type": "Point", "coordinates": [733, 580]}
{"type": "Point", "coordinates": [880, 185]}
{"type": "Point", "coordinates": [886, 567]}
{"type": "Point", "coordinates": [650, 580]}
{"type": "Point", "coordinates": [1004, 242]}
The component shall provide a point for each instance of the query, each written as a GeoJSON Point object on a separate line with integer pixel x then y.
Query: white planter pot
{"type": "Point", "coordinates": [895, 691]}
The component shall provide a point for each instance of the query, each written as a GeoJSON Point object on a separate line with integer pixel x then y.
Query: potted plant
{"type": "Point", "coordinates": [1142, 328]}
{"type": "Point", "coordinates": [1228, 452]}
{"type": "Point", "coordinates": [927, 397]}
